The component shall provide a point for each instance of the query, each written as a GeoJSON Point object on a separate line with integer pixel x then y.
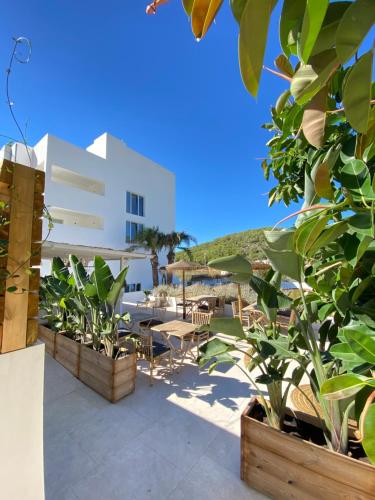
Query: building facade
{"type": "Point", "coordinates": [102, 196]}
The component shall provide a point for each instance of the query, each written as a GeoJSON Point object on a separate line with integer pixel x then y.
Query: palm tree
{"type": "Point", "coordinates": [152, 239]}
{"type": "Point", "coordinates": [173, 241]}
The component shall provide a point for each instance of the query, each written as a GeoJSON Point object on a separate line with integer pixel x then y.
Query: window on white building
{"type": "Point", "coordinates": [133, 287]}
{"type": "Point", "coordinates": [134, 204]}
{"type": "Point", "coordinates": [132, 229]}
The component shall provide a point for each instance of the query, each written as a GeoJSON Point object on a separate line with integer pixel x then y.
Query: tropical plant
{"type": "Point", "coordinates": [58, 301]}
{"type": "Point", "coordinates": [356, 350]}
{"type": "Point", "coordinates": [322, 151]}
{"type": "Point", "coordinates": [176, 241]}
{"type": "Point", "coordinates": [269, 350]}
{"type": "Point", "coordinates": [153, 240]}
{"type": "Point", "coordinates": [98, 296]}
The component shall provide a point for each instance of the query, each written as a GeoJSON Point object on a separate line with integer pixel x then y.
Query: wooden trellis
{"type": "Point", "coordinates": [22, 201]}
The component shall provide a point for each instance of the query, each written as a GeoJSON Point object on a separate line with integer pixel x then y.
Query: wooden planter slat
{"type": "Point", "coordinates": [22, 188]}
{"type": "Point", "coordinates": [67, 352]}
{"type": "Point", "coordinates": [49, 338]}
{"type": "Point", "coordinates": [286, 467]}
{"type": "Point", "coordinates": [101, 373]}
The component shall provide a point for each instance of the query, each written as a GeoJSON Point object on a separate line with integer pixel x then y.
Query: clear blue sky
{"type": "Point", "coordinates": [106, 66]}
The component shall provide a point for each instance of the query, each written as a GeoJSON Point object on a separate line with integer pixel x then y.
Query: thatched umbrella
{"type": "Point", "coordinates": [240, 270]}
{"type": "Point", "coordinates": [184, 266]}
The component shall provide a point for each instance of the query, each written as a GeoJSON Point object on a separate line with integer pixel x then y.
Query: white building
{"type": "Point", "coordinates": [100, 197]}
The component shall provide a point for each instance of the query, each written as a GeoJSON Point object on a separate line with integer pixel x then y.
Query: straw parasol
{"type": "Point", "coordinates": [184, 266]}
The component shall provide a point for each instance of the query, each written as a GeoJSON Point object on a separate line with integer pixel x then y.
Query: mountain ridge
{"type": "Point", "coordinates": [247, 243]}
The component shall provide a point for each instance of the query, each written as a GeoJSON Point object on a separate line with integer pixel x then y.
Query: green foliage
{"type": "Point", "coordinates": [322, 151]}
{"type": "Point", "coordinates": [83, 306]}
{"type": "Point", "coordinates": [249, 244]}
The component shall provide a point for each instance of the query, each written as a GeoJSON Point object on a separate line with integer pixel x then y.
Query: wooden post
{"type": "Point", "coordinates": [19, 306]}
{"type": "Point", "coordinates": [183, 295]}
{"type": "Point", "coordinates": [239, 302]}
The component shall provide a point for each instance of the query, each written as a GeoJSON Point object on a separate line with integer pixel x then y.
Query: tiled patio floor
{"type": "Point", "coordinates": [176, 440]}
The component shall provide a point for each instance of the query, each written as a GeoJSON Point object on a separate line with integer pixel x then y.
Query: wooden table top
{"type": "Point", "coordinates": [176, 328]}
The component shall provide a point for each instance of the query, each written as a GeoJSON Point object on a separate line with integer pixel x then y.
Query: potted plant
{"type": "Point", "coordinates": [104, 366]}
{"type": "Point", "coordinates": [82, 314]}
{"type": "Point", "coordinates": [322, 151]}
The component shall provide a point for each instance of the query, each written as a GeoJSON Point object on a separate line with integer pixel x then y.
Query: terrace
{"type": "Point", "coordinates": [178, 439]}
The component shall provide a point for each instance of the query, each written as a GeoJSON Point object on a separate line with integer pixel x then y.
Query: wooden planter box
{"type": "Point", "coordinates": [49, 338]}
{"type": "Point", "coordinates": [286, 467]}
{"type": "Point", "coordinates": [111, 378]}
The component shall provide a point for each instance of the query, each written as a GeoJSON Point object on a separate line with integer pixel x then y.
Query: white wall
{"type": "Point", "coordinates": [110, 161]}
{"type": "Point", "coordinates": [21, 424]}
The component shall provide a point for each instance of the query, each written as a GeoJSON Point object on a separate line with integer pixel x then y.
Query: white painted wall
{"type": "Point", "coordinates": [111, 161]}
{"type": "Point", "coordinates": [21, 424]}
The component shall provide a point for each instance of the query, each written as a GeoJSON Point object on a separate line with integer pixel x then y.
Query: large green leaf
{"type": "Point", "coordinates": [202, 14]}
{"type": "Point", "coordinates": [327, 35]}
{"type": "Point", "coordinates": [354, 26]}
{"type": "Point", "coordinates": [312, 22]}
{"type": "Point", "coordinates": [290, 22]}
{"type": "Point", "coordinates": [357, 92]}
{"type": "Point", "coordinates": [237, 7]}
{"type": "Point", "coordinates": [314, 118]}
{"type": "Point", "coordinates": [59, 269]}
{"type": "Point", "coordinates": [328, 236]}
{"type": "Point", "coordinates": [232, 264]}
{"type": "Point", "coordinates": [280, 240]}
{"type": "Point", "coordinates": [252, 41]}
{"type": "Point", "coordinates": [102, 277]}
{"type": "Point", "coordinates": [116, 288]}
{"type": "Point", "coordinates": [227, 326]}
{"type": "Point", "coordinates": [287, 263]}
{"type": "Point", "coordinates": [361, 223]}
{"type": "Point", "coordinates": [344, 352]}
{"type": "Point", "coordinates": [311, 77]}
{"type": "Point", "coordinates": [320, 175]}
{"type": "Point", "coordinates": [355, 176]}
{"type": "Point", "coordinates": [215, 347]}
{"type": "Point", "coordinates": [271, 297]}
{"type": "Point", "coordinates": [361, 343]}
{"type": "Point", "coordinates": [308, 232]}
{"type": "Point", "coordinates": [79, 272]}
{"type": "Point", "coordinates": [343, 386]}
{"type": "Point", "coordinates": [283, 259]}
{"type": "Point", "coordinates": [368, 441]}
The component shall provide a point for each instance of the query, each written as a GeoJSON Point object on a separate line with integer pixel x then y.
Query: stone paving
{"type": "Point", "coordinates": [177, 439]}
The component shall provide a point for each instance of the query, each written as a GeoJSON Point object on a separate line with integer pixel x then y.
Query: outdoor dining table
{"type": "Point", "coordinates": [180, 330]}
{"type": "Point", "coordinates": [197, 300]}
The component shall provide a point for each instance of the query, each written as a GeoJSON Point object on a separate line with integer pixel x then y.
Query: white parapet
{"type": "Point", "coordinates": [21, 424]}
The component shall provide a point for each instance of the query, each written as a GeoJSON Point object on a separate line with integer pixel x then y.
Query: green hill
{"type": "Point", "coordinates": [247, 243]}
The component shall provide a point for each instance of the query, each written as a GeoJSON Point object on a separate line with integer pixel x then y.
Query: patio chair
{"type": "Point", "coordinates": [180, 306]}
{"type": "Point", "coordinates": [208, 305]}
{"type": "Point", "coordinates": [201, 319]}
{"type": "Point", "coordinates": [220, 306]}
{"type": "Point", "coordinates": [152, 351]}
{"type": "Point", "coordinates": [235, 307]}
